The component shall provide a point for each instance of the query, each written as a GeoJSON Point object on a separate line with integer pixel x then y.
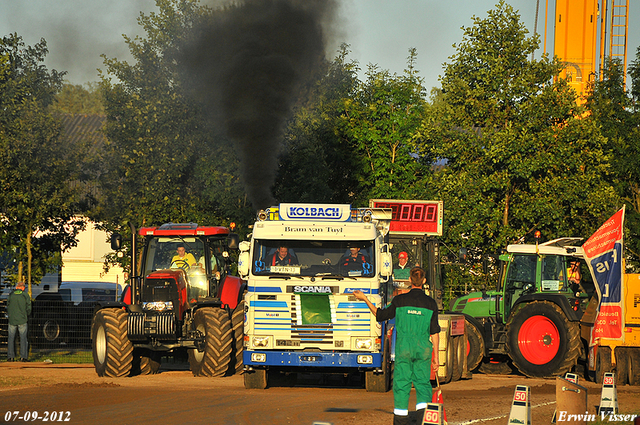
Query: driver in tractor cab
{"type": "Point", "coordinates": [574, 276]}
{"type": "Point", "coordinates": [183, 259]}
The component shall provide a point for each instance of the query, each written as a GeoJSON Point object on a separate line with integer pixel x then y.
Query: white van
{"type": "Point", "coordinates": [90, 292]}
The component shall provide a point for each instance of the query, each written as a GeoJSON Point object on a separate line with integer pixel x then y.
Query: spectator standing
{"type": "Point", "coordinates": [18, 310]}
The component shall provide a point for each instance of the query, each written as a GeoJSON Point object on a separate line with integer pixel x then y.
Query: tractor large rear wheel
{"type": "Point", "coordinates": [541, 341]}
{"type": "Point", "coordinates": [146, 362]}
{"type": "Point", "coordinates": [214, 324]}
{"type": "Point", "coordinates": [112, 350]}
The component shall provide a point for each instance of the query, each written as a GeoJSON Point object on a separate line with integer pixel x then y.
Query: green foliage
{"type": "Point", "coordinates": [78, 99]}
{"type": "Point", "coordinates": [36, 166]}
{"type": "Point", "coordinates": [519, 156]}
{"type": "Point", "coordinates": [167, 163]}
{"type": "Point", "coordinates": [614, 112]}
{"type": "Point", "coordinates": [316, 165]}
{"type": "Point", "coordinates": [379, 123]}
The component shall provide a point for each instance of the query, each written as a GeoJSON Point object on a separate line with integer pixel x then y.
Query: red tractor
{"type": "Point", "coordinates": [183, 298]}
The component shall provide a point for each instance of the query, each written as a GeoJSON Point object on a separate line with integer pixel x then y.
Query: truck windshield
{"type": "Point", "coordinates": [328, 259]}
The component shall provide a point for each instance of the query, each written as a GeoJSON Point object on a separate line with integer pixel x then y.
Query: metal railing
{"type": "Point", "coordinates": [58, 331]}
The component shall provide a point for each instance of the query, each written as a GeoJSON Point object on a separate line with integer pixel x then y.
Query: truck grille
{"type": "Point", "coordinates": [321, 333]}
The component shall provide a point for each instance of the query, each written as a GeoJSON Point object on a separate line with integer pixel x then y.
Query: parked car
{"type": "Point", "coordinates": [64, 317]}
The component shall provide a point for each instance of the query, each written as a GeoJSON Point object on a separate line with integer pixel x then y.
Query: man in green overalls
{"type": "Point", "coordinates": [416, 316]}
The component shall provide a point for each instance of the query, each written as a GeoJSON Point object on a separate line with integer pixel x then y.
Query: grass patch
{"type": "Point", "coordinates": [62, 356]}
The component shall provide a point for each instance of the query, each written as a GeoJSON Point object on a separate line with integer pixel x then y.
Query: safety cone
{"type": "Point", "coordinates": [434, 415]}
{"type": "Point", "coordinates": [609, 398]}
{"type": "Point", "coordinates": [436, 398]}
{"type": "Point", "coordinates": [521, 406]}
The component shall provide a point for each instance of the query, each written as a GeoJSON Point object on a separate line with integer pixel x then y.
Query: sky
{"type": "Point", "coordinates": [379, 32]}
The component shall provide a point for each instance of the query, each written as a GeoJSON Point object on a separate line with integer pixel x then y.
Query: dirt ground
{"type": "Point", "coordinates": [175, 396]}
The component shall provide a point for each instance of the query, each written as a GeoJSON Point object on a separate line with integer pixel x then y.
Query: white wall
{"type": "Point", "coordinates": [85, 262]}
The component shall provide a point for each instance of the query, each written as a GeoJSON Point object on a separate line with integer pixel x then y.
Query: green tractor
{"type": "Point", "coordinates": [540, 316]}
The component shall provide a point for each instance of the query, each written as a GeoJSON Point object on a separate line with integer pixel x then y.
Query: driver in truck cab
{"type": "Point", "coordinates": [183, 259]}
{"type": "Point", "coordinates": [282, 257]}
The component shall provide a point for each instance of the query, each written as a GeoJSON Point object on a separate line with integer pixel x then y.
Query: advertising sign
{"type": "Point", "coordinates": [603, 252]}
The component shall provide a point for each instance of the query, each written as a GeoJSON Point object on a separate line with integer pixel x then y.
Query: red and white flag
{"type": "Point", "coordinates": [603, 252]}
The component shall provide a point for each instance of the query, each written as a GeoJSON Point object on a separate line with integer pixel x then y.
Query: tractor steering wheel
{"type": "Point", "coordinates": [181, 264]}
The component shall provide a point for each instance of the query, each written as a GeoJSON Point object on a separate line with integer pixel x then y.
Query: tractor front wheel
{"type": "Point", "coordinates": [214, 324]}
{"type": "Point", "coordinates": [112, 350]}
{"type": "Point", "coordinates": [541, 341]}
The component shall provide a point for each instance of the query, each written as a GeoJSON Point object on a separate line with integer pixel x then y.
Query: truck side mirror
{"type": "Point", "coordinates": [243, 264]}
{"type": "Point", "coordinates": [386, 266]}
{"type": "Point", "coordinates": [116, 242]}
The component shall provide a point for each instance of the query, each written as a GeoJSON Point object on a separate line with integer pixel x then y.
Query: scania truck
{"type": "Point", "coordinates": [302, 264]}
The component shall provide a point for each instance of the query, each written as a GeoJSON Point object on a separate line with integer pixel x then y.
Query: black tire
{"type": "Point", "coordinates": [634, 366]}
{"type": "Point", "coordinates": [450, 356]}
{"type": "Point", "coordinates": [379, 383]}
{"type": "Point", "coordinates": [622, 366]}
{"type": "Point", "coordinates": [458, 357]}
{"type": "Point", "coordinates": [491, 366]}
{"type": "Point", "coordinates": [215, 325]}
{"type": "Point", "coordinates": [51, 330]}
{"type": "Point", "coordinates": [112, 350]}
{"type": "Point", "coordinates": [255, 379]}
{"type": "Point", "coordinates": [237, 324]}
{"type": "Point", "coordinates": [603, 363]}
{"type": "Point", "coordinates": [475, 346]}
{"type": "Point", "coordinates": [541, 341]}
{"type": "Point", "coordinates": [145, 362]}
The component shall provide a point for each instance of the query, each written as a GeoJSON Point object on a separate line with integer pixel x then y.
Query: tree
{"type": "Point", "coordinates": [78, 99]}
{"type": "Point", "coordinates": [316, 165]}
{"type": "Point", "coordinates": [520, 156]}
{"type": "Point", "coordinates": [38, 204]}
{"type": "Point", "coordinates": [379, 123]}
{"type": "Point", "coordinates": [617, 115]}
{"type": "Point", "coordinates": [167, 162]}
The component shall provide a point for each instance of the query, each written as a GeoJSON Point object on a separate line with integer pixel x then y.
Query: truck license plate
{"type": "Point", "coordinates": [310, 358]}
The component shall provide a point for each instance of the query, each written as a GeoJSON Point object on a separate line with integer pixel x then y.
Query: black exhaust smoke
{"type": "Point", "coordinates": [246, 64]}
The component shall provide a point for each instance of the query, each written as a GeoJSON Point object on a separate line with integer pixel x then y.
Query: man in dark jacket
{"type": "Point", "coordinates": [417, 326]}
{"type": "Point", "coordinates": [18, 310]}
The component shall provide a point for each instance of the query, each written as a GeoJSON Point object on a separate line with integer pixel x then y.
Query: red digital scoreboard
{"type": "Point", "coordinates": [412, 217]}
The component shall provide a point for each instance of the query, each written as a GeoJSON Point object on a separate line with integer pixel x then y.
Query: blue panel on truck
{"type": "Point", "coordinates": [315, 359]}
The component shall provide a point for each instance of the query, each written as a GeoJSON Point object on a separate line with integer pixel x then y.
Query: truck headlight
{"type": "Point", "coordinates": [158, 305]}
{"type": "Point", "coordinates": [363, 343]}
{"type": "Point", "coordinates": [260, 341]}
